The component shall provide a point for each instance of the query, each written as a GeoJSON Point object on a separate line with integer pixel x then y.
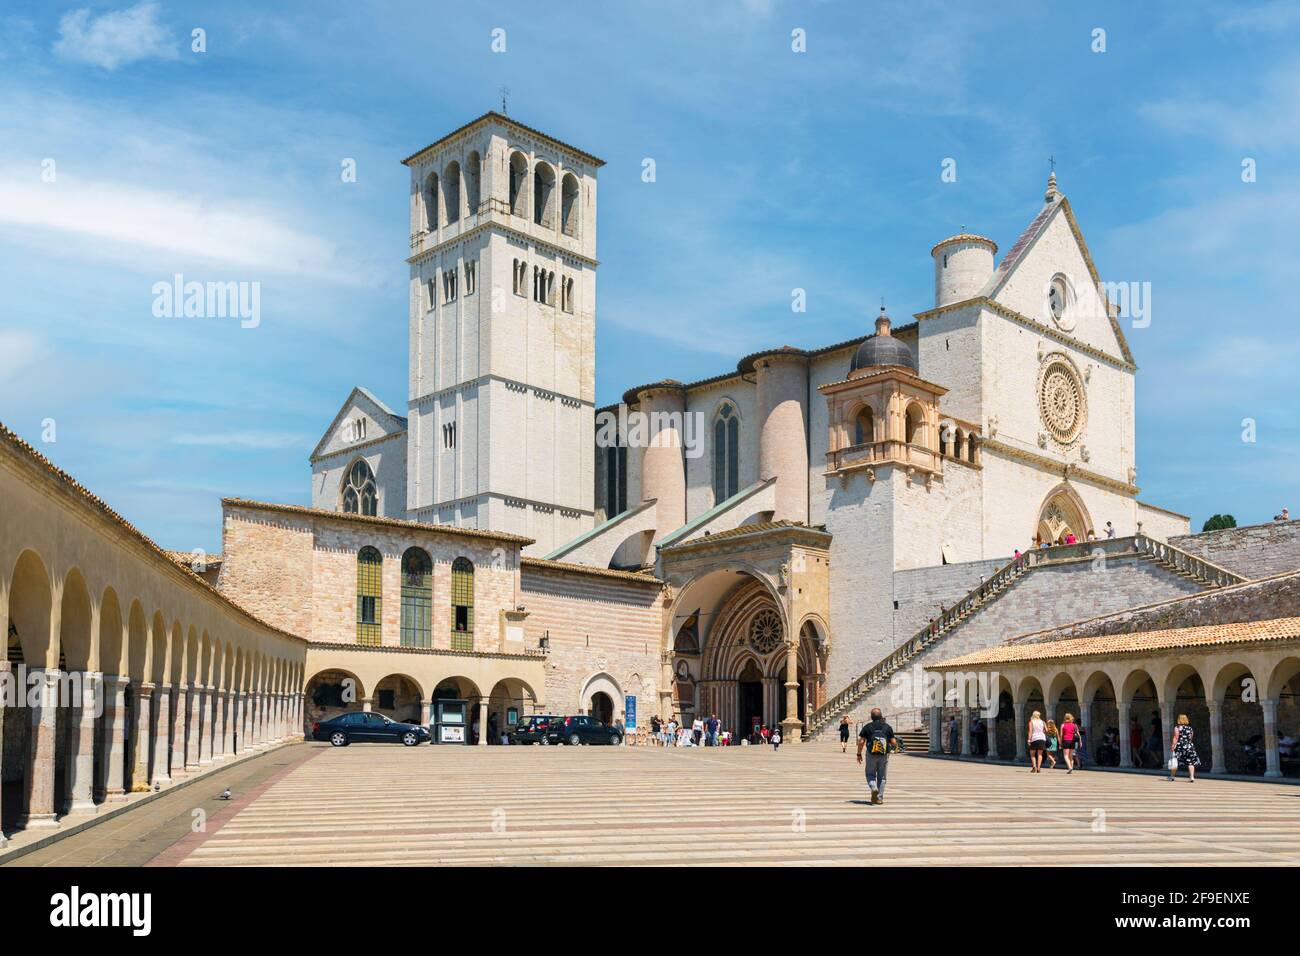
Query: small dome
{"type": "Point", "coordinates": [882, 349]}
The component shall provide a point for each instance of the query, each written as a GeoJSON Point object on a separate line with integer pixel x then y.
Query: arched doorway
{"type": "Point", "coordinates": [1062, 514]}
{"type": "Point", "coordinates": [750, 702]}
{"type": "Point", "coordinates": [602, 707]}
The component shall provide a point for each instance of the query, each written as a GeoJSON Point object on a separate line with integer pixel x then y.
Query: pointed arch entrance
{"type": "Point", "coordinates": [1062, 514]}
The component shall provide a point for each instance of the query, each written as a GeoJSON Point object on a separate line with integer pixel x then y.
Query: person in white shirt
{"type": "Point", "coordinates": [1110, 530]}
{"type": "Point", "coordinates": [670, 739]}
{"type": "Point", "coordinates": [697, 731]}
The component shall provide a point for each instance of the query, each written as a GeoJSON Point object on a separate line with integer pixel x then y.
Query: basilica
{"type": "Point", "coordinates": [793, 540]}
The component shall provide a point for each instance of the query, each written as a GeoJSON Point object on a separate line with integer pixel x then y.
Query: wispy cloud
{"type": "Point", "coordinates": [244, 439]}
{"type": "Point", "coordinates": [19, 350]}
{"type": "Point", "coordinates": [114, 39]}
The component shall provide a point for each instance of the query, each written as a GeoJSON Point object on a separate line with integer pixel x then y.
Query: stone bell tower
{"type": "Point", "coordinates": [502, 332]}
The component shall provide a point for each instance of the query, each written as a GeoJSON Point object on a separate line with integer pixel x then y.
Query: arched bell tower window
{"type": "Point", "coordinates": [518, 184]}
{"type": "Point", "coordinates": [726, 453]}
{"type": "Point", "coordinates": [358, 494]}
{"type": "Point", "coordinates": [864, 426]}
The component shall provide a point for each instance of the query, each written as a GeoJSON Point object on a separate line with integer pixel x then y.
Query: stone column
{"type": "Point", "coordinates": [1022, 732]}
{"type": "Point", "coordinates": [180, 716]}
{"type": "Point", "coordinates": [254, 721]}
{"type": "Point", "coordinates": [936, 729]}
{"type": "Point", "coordinates": [482, 721]}
{"type": "Point", "coordinates": [1271, 753]}
{"type": "Point", "coordinates": [1085, 726]}
{"type": "Point", "coordinates": [205, 726]}
{"type": "Point", "coordinates": [221, 710]}
{"type": "Point", "coordinates": [194, 702]}
{"type": "Point", "coordinates": [299, 727]}
{"type": "Point", "coordinates": [38, 794]}
{"type": "Point", "coordinates": [991, 725]}
{"type": "Point", "coordinates": [162, 735]}
{"type": "Point", "coordinates": [143, 710]}
{"type": "Point", "coordinates": [238, 704]}
{"type": "Point", "coordinates": [425, 708]}
{"type": "Point", "coordinates": [115, 732]}
{"type": "Point", "coordinates": [1168, 714]}
{"type": "Point", "coordinates": [1125, 746]}
{"type": "Point", "coordinates": [81, 759]}
{"type": "Point", "coordinates": [1218, 756]}
{"type": "Point", "coordinates": [792, 726]}
{"type": "Point", "coordinates": [965, 731]}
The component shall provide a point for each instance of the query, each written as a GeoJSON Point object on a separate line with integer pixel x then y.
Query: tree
{"type": "Point", "coordinates": [1218, 522]}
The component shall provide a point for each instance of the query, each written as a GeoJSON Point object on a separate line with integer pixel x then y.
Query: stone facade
{"type": "Point", "coordinates": [1256, 551]}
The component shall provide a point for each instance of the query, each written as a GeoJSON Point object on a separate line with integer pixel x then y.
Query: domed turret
{"type": "Point", "coordinates": [882, 349]}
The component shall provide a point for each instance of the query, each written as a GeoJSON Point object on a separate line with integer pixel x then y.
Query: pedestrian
{"type": "Point", "coordinates": [656, 731]}
{"type": "Point", "coordinates": [697, 731]}
{"type": "Point", "coordinates": [1069, 741]}
{"type": "Point", "coordinates": [978, 735]}
{"type": "Point", "coordinates": [671, 739]}
{"type": "Point", "coordinates": [1037, 738]}
{"type": "Point", "coordinates": [954, 730]}
{"type": "Point", "coordinates": [765, 734]}
{"type": "Point", "coordinates": [776, 738]}
{"type": "Point", "coordinates": [1110, 530]}
{"type": "Point", "coordinates": [1135, 742]}
{"type": "Point", "coordinates": [713, 726]}
{"type": "Point", "coordinates": [876, 737]}
{"type": "Point", "coordinates": [844, 734]}
{"type": "Point", "coordinates": [1184, 750]}
{"type": "Point", "coordinates": [1053, 742]}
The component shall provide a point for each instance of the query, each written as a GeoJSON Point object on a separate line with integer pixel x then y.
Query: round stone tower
{"type": "Point", "coordinates": [962, 265]}
{"type": "Point", "coordinates": [782, 399]}
{"type": "Point", "coordinates": [663, 471]}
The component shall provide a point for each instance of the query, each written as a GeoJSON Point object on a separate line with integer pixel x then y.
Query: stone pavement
{"type": "Point", "coordinates": [388, 805]}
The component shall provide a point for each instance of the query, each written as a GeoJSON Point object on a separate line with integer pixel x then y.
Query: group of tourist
{"type": "Point", "coordinates": [1046, 739]}
{"type": "Point", "coordinates": [706, 732]}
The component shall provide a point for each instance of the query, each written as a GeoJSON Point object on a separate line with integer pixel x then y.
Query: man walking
{"type": "Point", "coordinates": [876, 737]}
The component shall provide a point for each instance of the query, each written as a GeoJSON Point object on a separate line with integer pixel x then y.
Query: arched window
{"type": "Point", "coordinates": [358, 495]}
{"type": "Point", "coordinates": [417, 598]}
{"type": "Point", "coordinates": [958, 443]}
{"type": "Point", "coordinates": [915, 432]}
{"type": "Point", "coordinates": [431, 202]}
{"type": "Point", "coordinates": [518, 184]}
{"type": "Point", "coordinates": [864, 427]}
{"type": "Point", "coordinates": [473, 174]}
{"type": "Point", "coordinates": [543, 195]}
{"type": "Point", "coordinates": [726, 454]}
{"type": "Point", "coordinates": [945, 432]}
{"type": "Point", "coordinates": [451, 191]}
{"type": "Point", "coordinates": [370, 565]}
{"type": "Point", "coordinates": [462, 605]}
{"type": "Point", "coordinates": [970, 448]}
{"type": "Point", "coordinates": [569, 205]}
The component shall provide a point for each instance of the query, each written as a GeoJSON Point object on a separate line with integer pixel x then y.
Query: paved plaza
{"type": "Point", "coordinates": [385, 806]}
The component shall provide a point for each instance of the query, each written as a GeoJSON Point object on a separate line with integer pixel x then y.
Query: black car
{"type": "Point", "coordinates": [361, 726]}
{"type": "Point", "coordinates": [533, 730]}
{"type": "Point", "coordinates": [582, 729]}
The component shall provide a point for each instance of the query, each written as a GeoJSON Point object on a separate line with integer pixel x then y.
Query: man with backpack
{"type": "Point", "coordinates": [876, 738]}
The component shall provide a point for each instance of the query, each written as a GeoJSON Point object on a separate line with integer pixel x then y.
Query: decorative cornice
{"type": "Point", "coordinates": [430, 651]}
{"type": "Point", "coordinates": [353, 449]}
{"type": "Point", "coordinates": [1066, 469]}
{"type": "Point", "coordinates": [492, 116]}
{"type": "Point", "coordinates": [492, 224]}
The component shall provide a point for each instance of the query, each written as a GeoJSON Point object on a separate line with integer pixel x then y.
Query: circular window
{"type": "Point", "coordinates": [765, 631]}
{"type": "Point", "coordinates": [1061, 399]}
{"type": "Point", "coordinates": [1059, 297]}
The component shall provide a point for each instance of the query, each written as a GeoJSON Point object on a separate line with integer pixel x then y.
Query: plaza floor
{"type": "Point", "coordinates": [806, 804]}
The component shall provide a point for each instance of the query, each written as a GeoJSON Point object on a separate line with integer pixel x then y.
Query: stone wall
{"type": "Point", "coordinates": [597, 624]}
{"type": "Point", "coordinates": [920, 591]}
{"type": "Point", "coordinates": [1255, 551]}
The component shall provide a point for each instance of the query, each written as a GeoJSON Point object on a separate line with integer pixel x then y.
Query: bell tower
{"type": "Point", "coordinates": [501, 397]}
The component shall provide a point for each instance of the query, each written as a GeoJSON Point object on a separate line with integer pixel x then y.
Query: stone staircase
{"type": "Point", "coordinates": [1175, 560]}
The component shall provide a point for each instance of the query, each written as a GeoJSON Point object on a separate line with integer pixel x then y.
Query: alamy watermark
{"type": "Point", "coordinates": [209, 300]}
{"type": "Point", "coordinates": [636, 429]}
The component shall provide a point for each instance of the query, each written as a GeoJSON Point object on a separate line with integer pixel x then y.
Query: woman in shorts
{"type": "Point", "coordinates": [1037, 742]}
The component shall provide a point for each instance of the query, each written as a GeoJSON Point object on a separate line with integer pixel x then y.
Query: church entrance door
{"type": "Point", "coordinates": [750, 686]}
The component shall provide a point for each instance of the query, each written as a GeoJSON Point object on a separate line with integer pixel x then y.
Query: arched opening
{"type": "Point", "coordinates": [1101, 718]}
{"type": "Point", "coordinates": [518, 184]}
{"type": "Point", "coordinates": [417, 598]}
{"type": "Point", "coordinates": [1243, 720]}
{"type": "Point", "coordinates": [460, 688]}
{"type": "Point", "coordinates": [30, 604]}
{"type": "Point", "coordinates": [462, 605]}
{"type": "Point", "coordinates": [726, 453]}
{"type": "Point", "coordinates": [330, 693]}
{"type": "Point", "coordinates": [864, 426]}
{"type": "Point", "coordinates": [1062, 518]}
{"type": "Point", "coordinates": [1186, 691]}
{"type": "Point", "coordinates": [945, 439]}
{"type": "Point", "coordinates": [1284, 687]}
{"type": "Point", "coordinates": [451, 191]}
{"type": "Point", "coordinates": [399, 697]}
{"type": "Point", "coordinates": [430, 199]}
{"type": "Point", "coordinates": [970, 448]}
{"type": "Point", "coordinates": [601, 695]}
{"type": "Point", "coordinates": [915, 425]}
{"type": "Point", "coordinates": [369, 596]}
{"type": "Point", "coordinates": [749, 689]}
{"type": "Point", "coordinates": [1003, 727]}
{"type": "Point", "coordinates": [958, 443]}
{"type": "Point", "coordinates": [509, 704]}
{"type": "Point", "coordinates": [635, 553]}
{"type": "Point", "coordinates": [544, 195]}
{"type": "Point", "coordinates": [357, 493]}
{"type": "Point", "coordinates": [1145, 726]}
{"type": "Point", "coordinates": [473, 181]}
{"type": "Point", "coordinates": [569, 205]}
{"type": "Point", "coordinates": [602, 707]}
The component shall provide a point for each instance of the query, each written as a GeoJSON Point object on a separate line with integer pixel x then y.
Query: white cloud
{"type": "Point", "coordinates": [189, 226]}
{"type": "Point", "coordinates": [244, 439]}
{"type": "Point", "coordinates": [114, 39]}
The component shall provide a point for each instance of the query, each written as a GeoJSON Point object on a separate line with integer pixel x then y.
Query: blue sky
{"type": "Point", "coordinates": [775, 170]}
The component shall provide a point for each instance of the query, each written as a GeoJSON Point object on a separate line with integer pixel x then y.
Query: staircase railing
{"type": "Point", "coordinates": [1162, 552]}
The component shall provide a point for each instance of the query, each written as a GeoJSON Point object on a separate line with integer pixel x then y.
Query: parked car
{"type": "Point", "coordinates": [360, 727]}
{"type": "Point", "coordinates": [532, 730]}
{"type": "Point", "coordinates": [581, 729]}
